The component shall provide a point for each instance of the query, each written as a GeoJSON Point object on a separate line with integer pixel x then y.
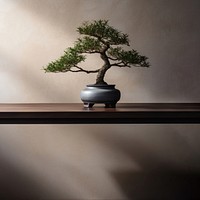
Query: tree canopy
{"type": "Point", "coordinates": [98, 37]}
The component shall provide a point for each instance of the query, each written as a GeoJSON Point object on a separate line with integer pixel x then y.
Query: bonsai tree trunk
{"type": "Point", "coordinates": [103, 70]}
{"type": "Point", "coordinates": [101, 75]}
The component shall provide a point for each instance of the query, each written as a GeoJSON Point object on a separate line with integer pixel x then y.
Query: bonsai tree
{"type": "Point", "coordinates": [98, 37]}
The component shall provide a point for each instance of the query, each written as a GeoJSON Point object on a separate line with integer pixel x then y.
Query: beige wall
{"type": "Point", "coordinates": [99, 161]}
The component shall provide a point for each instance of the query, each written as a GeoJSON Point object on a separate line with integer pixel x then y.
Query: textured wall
{"type": "Point", "coordinates": [99, 161]}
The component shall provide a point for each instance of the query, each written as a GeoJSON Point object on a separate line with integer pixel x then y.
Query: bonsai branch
{"type": "Point", "coordinates": [79, 69]}
{"type": "Point", "coordinates": [121, 64]}
{"type": "Point", "coordinates": [113, 59]}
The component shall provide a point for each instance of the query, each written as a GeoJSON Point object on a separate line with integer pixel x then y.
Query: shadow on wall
{"type": "Point", "coordinates": [168, 164]}
{"type": "Point", "coordinates": [170, 168]}
{"type": "Point", "coordinates": [157, 185]}
{"type": "Point", "coordinates": [16, 184]}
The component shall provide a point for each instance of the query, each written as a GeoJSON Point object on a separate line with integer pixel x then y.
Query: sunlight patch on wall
{"type": "Point", "coordinates": [28, 42]}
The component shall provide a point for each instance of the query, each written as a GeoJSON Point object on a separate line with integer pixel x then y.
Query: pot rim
{"type": "Point", "coordinates": [101, 85]}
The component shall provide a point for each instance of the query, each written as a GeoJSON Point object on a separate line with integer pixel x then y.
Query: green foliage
{"type": "Point", "coordinates": [128, 58]}
{"type": "Point", "coordinates": [104, 32]}
{"type": "Point", "coordinates": [70, 59]}
{"type": "Point", "coordinates": [88, 45]}
{"type": "Point", "coordinates": [101, 38]}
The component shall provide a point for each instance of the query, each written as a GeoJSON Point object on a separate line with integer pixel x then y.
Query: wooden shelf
{"type": "Point", "coordinates": [75, 113]}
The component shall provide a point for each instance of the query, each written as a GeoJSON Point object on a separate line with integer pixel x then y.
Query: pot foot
{"type": "Point", "coordinates": [88, 105]}
{"type": "Point", "coordinates": [110, 105]}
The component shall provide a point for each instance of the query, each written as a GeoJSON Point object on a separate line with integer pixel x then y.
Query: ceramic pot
{"type": "Point", "coordinates": [104, 94]}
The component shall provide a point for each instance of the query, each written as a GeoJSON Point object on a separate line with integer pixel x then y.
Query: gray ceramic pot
{"type": "Point", "coordinates": [105, 94]}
